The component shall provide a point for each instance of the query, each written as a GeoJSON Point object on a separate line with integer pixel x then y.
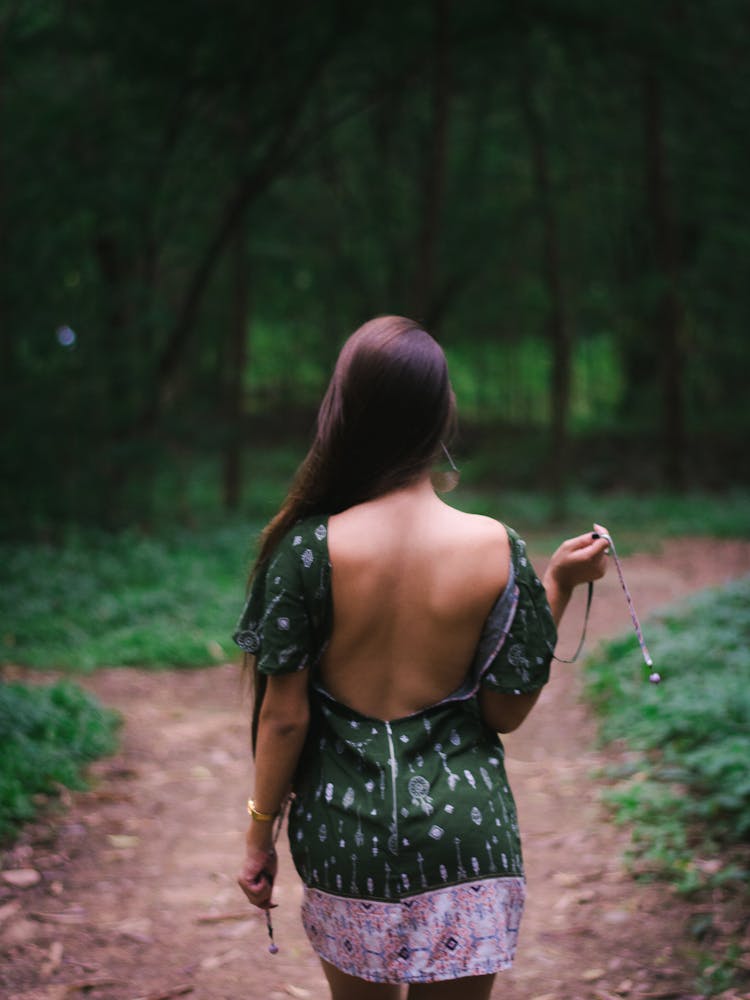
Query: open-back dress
{"type": "Point", "coordinates": [404, 831]}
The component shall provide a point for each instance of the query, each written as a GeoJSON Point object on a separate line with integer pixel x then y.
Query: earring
{"type": "Point", "coordinates": [445, 481]}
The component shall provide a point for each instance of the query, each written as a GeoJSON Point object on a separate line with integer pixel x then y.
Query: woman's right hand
{"type": "Point", "coordinates": [257, 876]}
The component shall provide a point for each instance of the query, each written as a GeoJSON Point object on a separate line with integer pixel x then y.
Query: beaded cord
{"type": "Point", "coordinates": [654, 676]}
{"type": "Point", "coordinates": [273, 947]}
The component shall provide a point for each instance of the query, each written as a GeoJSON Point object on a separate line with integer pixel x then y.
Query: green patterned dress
{"type": "Point", "coordinates": [404, 831]}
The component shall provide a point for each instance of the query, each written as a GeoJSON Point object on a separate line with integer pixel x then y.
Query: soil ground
{"type": "Point", "coordinates": [137, 896]}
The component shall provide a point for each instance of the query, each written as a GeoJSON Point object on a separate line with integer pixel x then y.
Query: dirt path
{"type": "Point", "coordinates": [137, 895]}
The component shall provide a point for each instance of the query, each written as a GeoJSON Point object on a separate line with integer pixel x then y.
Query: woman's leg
{"type": "Point", "coordinates": [466, 988]}
{"type": "Point", "coordinates": [346, 987]}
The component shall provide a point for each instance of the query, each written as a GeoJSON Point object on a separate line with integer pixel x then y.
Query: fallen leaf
{"type": "Point", "coordinates": [57, 992]}
{"type": "Point", "coordinates": [21, 878]}
{"type": "Point", "coordinates": [216, 918]}
{"type": "Point", "coordinates": [53, 962]}
{"type": "Point", "coordinates": [668, 994]}
{"type": "Point", "coordinates": [568, 880]}
{"type": "Point", "coordinates": [592, 974]}
{"type": "Point", "coordinates": [215, 961]}
{"type": "Point", "coordinates": [122, 840]}
{"type": "Point", "coordinates": [215, 651]}
{"type": "Point", "coordinates": [84, 985]}
{"type": "Point", "coordinates": [20, 931]}
{"type": "Point", "coordinates": [711, 866]}
{"type": "Point", "coordinates": [9, 909]}
{"type": "Point", "coordinates": [67, 917]}
{"type": "Point", "coordinates": [168, 993]}
{"type": "Point", "coordinates": [135, 928]}
{"type": "Point", "coordinates": [297, 991]}
{"type": "Point", "coordinates": [586, 896]}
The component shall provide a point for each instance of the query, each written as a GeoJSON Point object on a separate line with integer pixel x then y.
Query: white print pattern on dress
{"type": "Point", "coordinates": [516, 657]}
{"type": "Point", "coordinates": [419, 789]}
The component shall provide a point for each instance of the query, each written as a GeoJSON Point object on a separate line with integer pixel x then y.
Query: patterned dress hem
{"type": "Point", "coordinates": [448, 933]}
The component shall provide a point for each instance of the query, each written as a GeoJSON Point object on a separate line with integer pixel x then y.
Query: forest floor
{"type": "Point", "coordinates": [134, 892]}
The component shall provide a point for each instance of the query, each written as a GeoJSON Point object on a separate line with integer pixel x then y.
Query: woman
{"type": "Point", "coordinates": [394, 637]}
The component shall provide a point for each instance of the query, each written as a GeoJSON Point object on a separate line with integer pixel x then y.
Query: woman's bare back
{"type": "Point", "coordinates": [413, 582]}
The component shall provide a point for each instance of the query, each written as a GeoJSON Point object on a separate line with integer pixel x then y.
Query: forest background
{"type": "Point", "coordinates": [198, 204]}
{"type": "Point", "coordinates": [200, 201]}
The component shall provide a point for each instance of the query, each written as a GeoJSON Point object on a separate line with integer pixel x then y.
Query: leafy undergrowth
{"type": "Point", "coordinates": [171, 599]}
{"type": "Point", "coordinates": [125, 600]}
{"type": "Point", "coordinates": [48, 735]}
{"type": "Point", "coordinates": [680, 776]}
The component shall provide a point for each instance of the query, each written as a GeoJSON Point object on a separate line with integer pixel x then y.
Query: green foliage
{"type": "Point", "coordinates": [395, 165]}
{"type": "Point", "coordinates": [717, 976]}
{"type": "Point", "coordinates": [47, 735]}
{"type": "Point", "coordinates": [92, 598]}
{"type": "Point", "coordinates": [689, 738]}
{"type": "Point", "coordinates": [635, 520]}
{"type": "Point", "coordinates": [124, 599]}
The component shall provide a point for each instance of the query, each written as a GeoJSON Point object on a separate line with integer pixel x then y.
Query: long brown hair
{"type": "Point", "coordinates": [388, 407]}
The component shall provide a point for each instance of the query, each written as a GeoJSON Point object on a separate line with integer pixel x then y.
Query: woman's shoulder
{"type": "Point", "coordinates": [303, 545]}
{"type": "Point", "coordinates": [479, 528]}
{"type": "Point", "coordinates": [484, 534]}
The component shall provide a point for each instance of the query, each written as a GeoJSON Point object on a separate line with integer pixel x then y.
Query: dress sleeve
{"type": "Point", "coordinates": [276, 625]}
{"type": "Point", "coordinates": [521, 664]}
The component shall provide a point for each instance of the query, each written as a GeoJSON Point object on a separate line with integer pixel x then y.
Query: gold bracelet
{"type": "Point", "coordinates": [259, 816]}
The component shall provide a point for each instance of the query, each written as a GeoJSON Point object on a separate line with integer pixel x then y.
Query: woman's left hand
{"type": "Point", "coordinates": [580, 560]}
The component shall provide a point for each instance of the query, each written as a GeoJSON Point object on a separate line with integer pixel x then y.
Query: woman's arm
{"type": "Point", "coordinates": [577, 560]}
{"type": "Point", "coordinates": [282, 729]}
{"type": "Point", "coordinates": [505, 712]}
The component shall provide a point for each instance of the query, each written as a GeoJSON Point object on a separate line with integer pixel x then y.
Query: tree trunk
{"type": "Point", "coordinates": [668, 312]}
{"type": "Point", "coordinates": [236, 360]}
{"type": "Point", "coordinates": [557, 327]}
{"type": "Point", "coordinates": [6, 340]}
{"type": "Point", "coordinates": [434, 172]}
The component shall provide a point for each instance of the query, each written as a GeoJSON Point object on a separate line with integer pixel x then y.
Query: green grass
{"type": "Point", "coordinates": [639, 520]}
{"type": "Point", "coordinates": [172, 598]}
{"type": "Point", "coordinates": [124, 599]}
{"type": "Point", "coordinates": [681, 780]}
{"type": "Point", "coordinates": [48, 734]}
{"type": "Point", "coordinates": [684, 784]}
